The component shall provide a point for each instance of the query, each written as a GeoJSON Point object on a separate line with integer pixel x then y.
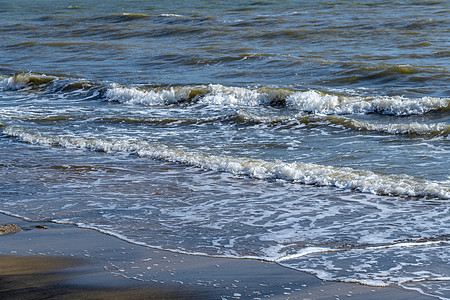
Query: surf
{"type": "Point", "coordinates": [299, 172]}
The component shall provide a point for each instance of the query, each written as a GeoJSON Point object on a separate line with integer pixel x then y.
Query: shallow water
{"type": "Point", "coordinates": [312, 133]}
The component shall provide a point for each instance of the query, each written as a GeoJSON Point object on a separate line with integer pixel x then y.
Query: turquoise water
{"type": "Point", "coordinates": [309, 133]}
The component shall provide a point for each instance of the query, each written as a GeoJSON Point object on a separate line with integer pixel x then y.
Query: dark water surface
{"type": "Point", "coordinates": [310, 133]}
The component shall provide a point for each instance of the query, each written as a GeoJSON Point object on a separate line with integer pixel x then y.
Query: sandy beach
{"type": "Point", "coordinates": [57, 261]}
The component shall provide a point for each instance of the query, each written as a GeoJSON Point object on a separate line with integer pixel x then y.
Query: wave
{"type": "Point", "coordinates": [52, 84]}
{"type": "Point", "coordinates": [315, 250]}
{"type": "Point", "coordinates": [171, 15]}
{"type": "Point", "coordinates": [380, 70]}
{"type": "Point", "coordinates": [244, 117]}
{"type": "Point", "coordinates": [37, 81]}
{"type": "Point", "coordinates": [435, 129]}
{"type": "Point", "coordinates": [24, 80]}
{"type": "Point", "coordinates": [310, 101]}
{"type": "Point", "coordinates": [372, 268]}
{"type": "Point", "coordinates": [315, 102]}
{"type": "Point", "coordinates": [306, 173]}
{"type": "Point", "coordinates": [124, 17]}
{"type": "Point", "coordinates": [212, 94]}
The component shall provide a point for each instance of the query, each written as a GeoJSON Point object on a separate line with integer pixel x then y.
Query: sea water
{"type": "Point", "coordinates": [314, 134]}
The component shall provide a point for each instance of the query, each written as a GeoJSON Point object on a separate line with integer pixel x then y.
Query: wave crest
{"type": "Point", "coordinates": [434, 129]}
{"type": "Point", "coordinates": [308, 101]}
{"type": "Point", "coordinates": [23, 80]}
{"type": "Point", "coordinates": [306, 173]}
{"type": "Point", "coordinates": [316, 102]}
{"type": "Point", "coordinates": [41, 82]}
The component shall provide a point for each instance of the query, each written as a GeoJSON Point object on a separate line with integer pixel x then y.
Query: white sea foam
{"type": "Point", "coordinates": [219, 95]}
{"type": "Point", "coordinates": [409, 128]}
{"type": "Point", "coordinates": [393, 128]}
{"type": "Point", "coordinates": [233, 96]}
{"type": "Point", "coordinates": [309, 101]}
{"type": "Point", "coordinates": [212, 94]}
{"type": "Point", "coordinates": [415, 266]}
{"type": "Point", "coordinates": [11, 83]}
{"type": "Point", "coordinates": [144, 97]}
{"type": "Point", "coordinates": [23, 80]}
{"type": "Point", "coordinates": [315, 250]}
{"type": "Point", "coordinates": [6, 83]}
{"type": "Point", "coordinates": [171, 15]}
{"type": "Point", "coordinates": [307, 173]}
{"type": "Point", "coordinates": [315, 102]}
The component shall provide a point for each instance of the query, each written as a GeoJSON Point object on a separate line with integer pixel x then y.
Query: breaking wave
{"type": "Point", "coordinates": [306, 173]}
{"type": "Point", "coordinates": [310, 101]}
{"type": "Point", "coordinates": [36, 81]}
{"type": "Point", "coordinates": [244, 117]}
{"type": "Point", "coordinates": [24, 80]}
{"type": "Point", "coordinates": [434, 129]}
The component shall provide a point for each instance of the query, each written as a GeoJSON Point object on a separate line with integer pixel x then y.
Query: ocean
{"type": "Point", "coordinates": [313, 134]}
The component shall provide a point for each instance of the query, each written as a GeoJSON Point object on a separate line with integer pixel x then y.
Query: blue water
{"type": "Point", "coordinates": [309, 133]}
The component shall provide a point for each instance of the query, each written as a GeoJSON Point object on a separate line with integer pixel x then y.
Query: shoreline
{"type": "Point", "coordinates": [60, 261]}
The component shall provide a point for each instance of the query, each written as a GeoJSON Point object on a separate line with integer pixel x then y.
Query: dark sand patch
{"type": "Point", "coordinates": [37, 277]}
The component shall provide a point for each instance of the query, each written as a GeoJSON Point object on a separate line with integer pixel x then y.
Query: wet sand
{"type": "Point", "coordinates": [58, 261]}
